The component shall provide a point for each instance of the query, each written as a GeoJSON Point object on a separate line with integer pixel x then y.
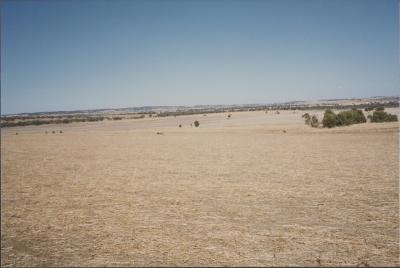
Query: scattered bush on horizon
{"type": "Point", "coordinates": [117, 118]}
{"type": "Point", "coordinates": [343, 118]}
{"type": "Point", "coordinates": [196, 123]}
{"type": "Point", "coordinates": [380, 116]}
{"type": "Point", "coordinates": [139, 116]}
{"type": "Point", "coordinates": [376, 108]}
{"type": "Point", "coordinates": [180, 125]}
{"type": "Point", "coordinates": [229, 116]}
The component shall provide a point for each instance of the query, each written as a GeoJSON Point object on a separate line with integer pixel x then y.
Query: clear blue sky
{"type": "Point", "coordinates": [86, 54]}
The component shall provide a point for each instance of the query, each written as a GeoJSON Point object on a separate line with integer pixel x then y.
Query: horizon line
{"type": "Point", "coordinates": [232, 104]}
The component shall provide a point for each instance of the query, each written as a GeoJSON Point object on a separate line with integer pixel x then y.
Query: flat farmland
{"type": "Point", "coordinates": [233, 192]}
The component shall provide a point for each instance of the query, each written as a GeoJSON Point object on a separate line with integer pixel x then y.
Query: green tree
{"type": "Point", "coordinates": [329, 119]}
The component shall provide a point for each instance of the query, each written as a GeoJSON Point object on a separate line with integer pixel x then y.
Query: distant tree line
{"type": "Point", "coordinates": [368, 106]}
{"type": "Point", "coordinates": [45, 120]}
{"type": "Point", "coordinates": [349, 117]}
{"type": "Point", "coordinates": [355, 116]}
{"type": "Point", "coordinates": [37, 122]}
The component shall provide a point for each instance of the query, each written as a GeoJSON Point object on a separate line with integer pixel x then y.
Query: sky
{"type": "Point", "coordinates": [92, 54]}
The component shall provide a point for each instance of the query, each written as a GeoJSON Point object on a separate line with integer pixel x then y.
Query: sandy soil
{"type": "Point", "coordinates": [235, 192]}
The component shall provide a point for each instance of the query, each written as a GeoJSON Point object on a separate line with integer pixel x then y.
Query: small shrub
{"type": "Point", "coordinates": [53, 132]}
{"type": "Point", "coordinates": [180, 125]}
{"type": "Point", "coordinates": [307, 118]}
{"type": "Point", "coordinates": [196, 123]}
{"type": "Point", "coordinates": [229, 116]}
{"type": "Point", "coordinates": [314, 121]}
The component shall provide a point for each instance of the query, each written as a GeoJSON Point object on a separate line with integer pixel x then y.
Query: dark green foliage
{"type": "Point", "coordinates": [381, 116]}
{"type": "Point", "coordinates": [37, 122]}
{"type": "Point", "coordinates": [196, 123]}
{"type": "Point", "coordinates": [329, 119]}
{"type": "Point", "coordinates": [376, 108]}
{"type": "Point", "coordinates": [353, 116]}
{"type": "Point", "coordinates": [344, 118]}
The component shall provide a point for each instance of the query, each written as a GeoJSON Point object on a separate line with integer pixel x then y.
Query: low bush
{"type": "Point", "coordinates": [196, 123]}
{"type": "Point", "coordinates": [380, 116]}
{"type": "Point", "coordinates": [307, 118]}
{"type": "Point", "coordinates": [329, 119]}
{"type": "Point", "coordinates": [353, 116]}
{"type": "Point", "coordinates": [314, 121]}
{"type": "Point", "coordinates": [344, 118]}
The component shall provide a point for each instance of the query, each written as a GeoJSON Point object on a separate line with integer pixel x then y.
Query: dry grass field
{"type": "Point", "coordinates": [233, 192]}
